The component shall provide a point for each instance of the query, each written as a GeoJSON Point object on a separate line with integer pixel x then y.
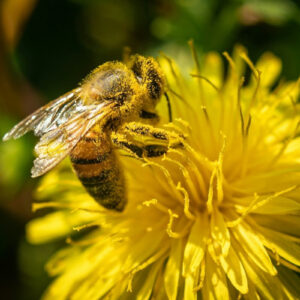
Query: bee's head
{"type": "Point", "coordinates": [148, 74]}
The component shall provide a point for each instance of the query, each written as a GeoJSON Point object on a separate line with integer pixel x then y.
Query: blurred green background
{"type": "Point", "coordinates": [48, 46]}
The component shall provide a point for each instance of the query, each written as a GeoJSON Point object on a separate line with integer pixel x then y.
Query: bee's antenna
{"type": "Point", "coordinates": [169, 106]}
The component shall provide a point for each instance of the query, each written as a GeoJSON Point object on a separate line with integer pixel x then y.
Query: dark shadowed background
{"type": "Point", "coordinates": [48, 46]}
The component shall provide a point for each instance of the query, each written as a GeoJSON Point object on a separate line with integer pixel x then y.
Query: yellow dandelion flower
{"type": "Point", "coordinates": [217, 218]}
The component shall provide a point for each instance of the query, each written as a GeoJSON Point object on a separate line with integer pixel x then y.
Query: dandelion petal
{"type": "Point", "coordinates": [195, 247]}
{"type": "Point", "coordinates": [254, 248]}
{"type": "Point", "coordinates": [234, 269]}
{"type": "Point", "coordinates": [219, 232]}
{"type": "Point", "coordinates": [281, 244]}
{"type": "Point", "coordinates": [215, 286]}
{"type": "Point", "coordinates": [173, 270]}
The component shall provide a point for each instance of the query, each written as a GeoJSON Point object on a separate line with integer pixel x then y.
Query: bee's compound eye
{"type": "Point", "coordinates": [154, 90]}
{"type": "Point", "coordinates": [137, 68]}
{"type": "Point", "coordinates": [147, 72]}
{"type": "Point", "coordinates": [154, 84]}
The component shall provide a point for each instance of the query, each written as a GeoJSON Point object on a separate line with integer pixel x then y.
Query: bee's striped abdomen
{"type": "Point", "coordinates": [98, 169]}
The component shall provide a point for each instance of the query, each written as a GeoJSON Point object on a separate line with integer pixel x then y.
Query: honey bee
{"type": "Point", "coordinates": [116, 99]}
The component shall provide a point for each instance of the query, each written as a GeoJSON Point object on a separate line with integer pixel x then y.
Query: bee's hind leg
{"type": "Point", "coordinates": [137, 149]}
{"type": "Point", "coordinates": [143, 140]}
{"type": "Point", "coordinates": [153, 135]}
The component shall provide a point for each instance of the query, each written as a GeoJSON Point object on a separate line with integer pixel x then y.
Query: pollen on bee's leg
{"type": "Point", "coordinates": [164, 137]}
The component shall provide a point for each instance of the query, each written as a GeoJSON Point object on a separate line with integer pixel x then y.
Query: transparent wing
{"type": "Point", "coordinates": [48, 117]}
{"type": "Point", "coordinates": [56, 144]}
